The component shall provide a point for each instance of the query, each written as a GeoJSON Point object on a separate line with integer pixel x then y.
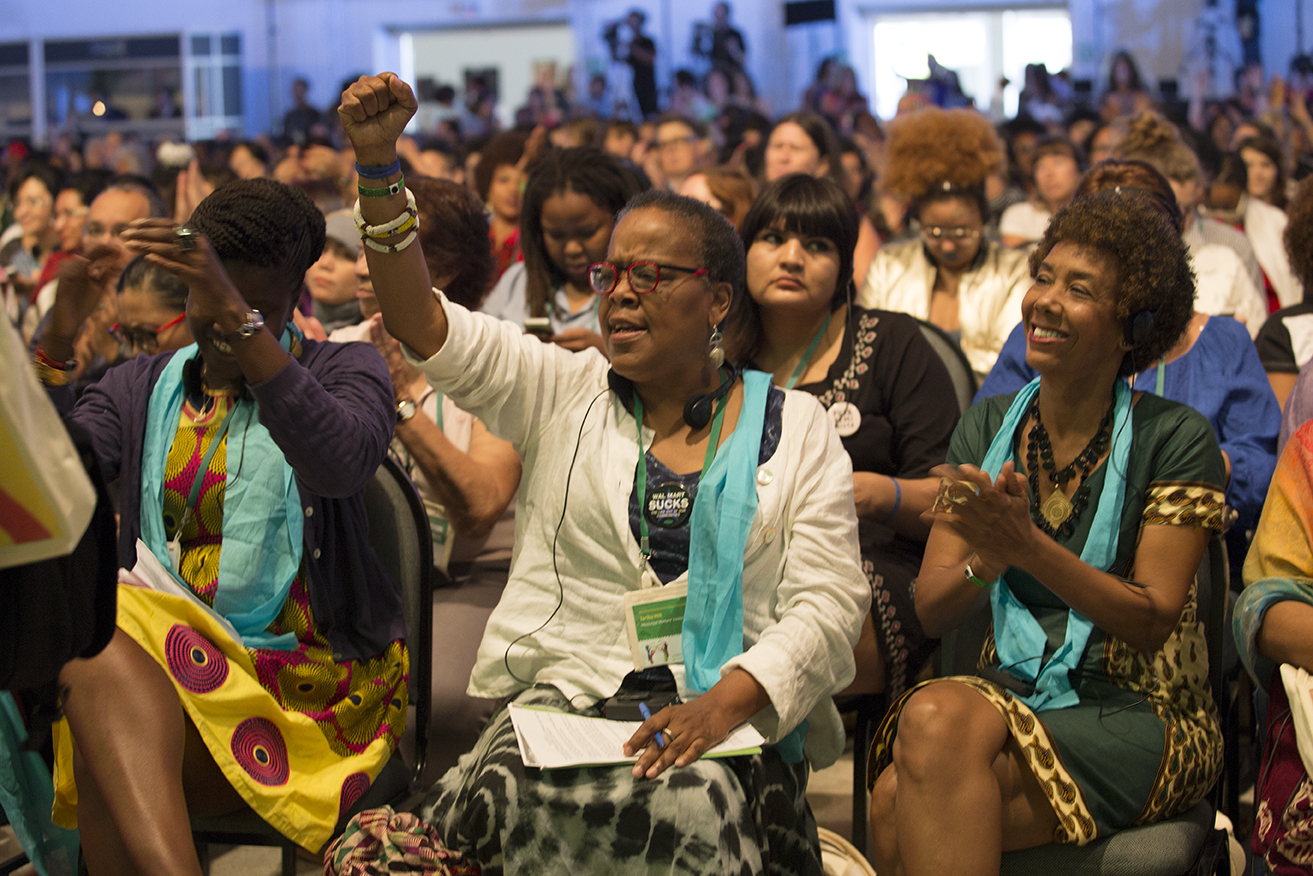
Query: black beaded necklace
{"type": "Point", "coordinates": [1058, 515]}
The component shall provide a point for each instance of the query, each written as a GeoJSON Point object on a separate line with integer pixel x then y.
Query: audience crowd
{"type": "Point", "coordinates": [711, 353]}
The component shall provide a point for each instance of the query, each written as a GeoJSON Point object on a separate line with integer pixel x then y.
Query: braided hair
{"type": "Point", "coordinates": [263, 224]}
{"type": "Point", "coordinates": [596, 175]}
{"type": "Point", "coordinates": [165, 288]}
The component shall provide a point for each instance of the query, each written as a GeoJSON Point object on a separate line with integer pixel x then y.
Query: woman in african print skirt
{"type": "Point", "coordinates": [271, 669]}
{"type": "Point", "coordinates": [1080, 510]}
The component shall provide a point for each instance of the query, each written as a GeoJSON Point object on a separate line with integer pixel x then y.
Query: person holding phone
{"type": "Point", "coordinates": [569, 210]}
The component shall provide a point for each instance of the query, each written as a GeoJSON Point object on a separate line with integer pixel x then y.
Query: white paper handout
{"type": "Point", "coordinates": [1299, 690]}
{"type": "Point", "coordinates": [551, 740]}
{"type": "Point", "coordinates": [151, 574]}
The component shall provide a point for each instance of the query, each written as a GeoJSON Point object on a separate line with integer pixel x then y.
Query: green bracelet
{"type": "Point", "coordinates": [972, 577]}
{"type": "Point", "coordinates": [395, 189]}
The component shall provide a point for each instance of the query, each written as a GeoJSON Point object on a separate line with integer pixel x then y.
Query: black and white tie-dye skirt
{"type": "Point", "coordinates": [738, 815]}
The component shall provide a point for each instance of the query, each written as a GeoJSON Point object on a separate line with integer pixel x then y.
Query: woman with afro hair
{"type": "Point", "coordinates": [266, 666]}
{"type": "Point", "coordinates": [951, 275]}
{"type": "Point", "coordinates": [1078, 510]}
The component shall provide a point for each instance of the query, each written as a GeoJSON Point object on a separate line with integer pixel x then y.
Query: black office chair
{"type": "Point", "coordinates": [399, 533]}
{"type": "Point", "coordinates": [959, 368]}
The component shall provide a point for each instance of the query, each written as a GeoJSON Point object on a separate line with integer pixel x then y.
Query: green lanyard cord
{"type": "Point", "coordinates": [640, 475]}
{"type": "Point", "coordinates": [205, 466]}
{"type": "Point", "coordinates": [1162, 376]}
{"type": "Point", "coordinates": [811, 349]}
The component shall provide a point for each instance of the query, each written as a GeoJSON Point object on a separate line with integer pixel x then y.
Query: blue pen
{"type": "Point", "coordinates": [647, 716]}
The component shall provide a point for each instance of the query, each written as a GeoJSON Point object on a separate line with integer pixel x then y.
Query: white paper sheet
{"type": "Point", "coordinates": [151, 574]}
{"type": "Point", "coordinates": [552, 740]}
{"type": "Point", "coordinates": [1299, 690]}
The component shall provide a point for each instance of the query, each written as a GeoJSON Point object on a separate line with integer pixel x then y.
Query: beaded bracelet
{"type": "Point", "coordinates": [402, 223]}
{"type": "Point", "coordinates": [396, 188]}
{"type": "Point", "coordinates": [50, 372]}
{"type": "Point", "coordinates": [40, 355]}
{"type": "Point", "coordinates": [366, 172]}
{"type": "Point", "coordinates": [391, 248]}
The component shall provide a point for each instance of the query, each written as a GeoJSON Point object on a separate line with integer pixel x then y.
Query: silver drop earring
{"type": "Point", "coordinates": [717, 352]}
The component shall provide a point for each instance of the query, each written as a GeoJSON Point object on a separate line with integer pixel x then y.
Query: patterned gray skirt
{"type": "Point", "coordinates": [739, 815]}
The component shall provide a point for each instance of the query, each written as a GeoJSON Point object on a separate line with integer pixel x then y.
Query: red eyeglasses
{"type": "Point", "coordinates": [143, 340]}
{"type": "Point", "coordinates": [643, 276]}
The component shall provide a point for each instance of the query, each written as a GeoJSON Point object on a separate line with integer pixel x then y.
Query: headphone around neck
{"type": "Point", "coordinates": [697, 410]}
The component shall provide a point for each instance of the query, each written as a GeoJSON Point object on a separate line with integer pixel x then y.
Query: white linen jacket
{"type": "Point", "coordinates": [902, 279]}
{"type": "Point", "coordinates": [804, 594]}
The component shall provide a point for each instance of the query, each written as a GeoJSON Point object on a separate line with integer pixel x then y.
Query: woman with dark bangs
{"type": "Point", "coordinates": [883, 385]}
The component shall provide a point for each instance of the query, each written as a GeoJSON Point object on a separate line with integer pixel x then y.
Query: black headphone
{"type": "Point", "coordinates": [1137, 328]}
{"type": "Point", "coordinates": [697, 410]}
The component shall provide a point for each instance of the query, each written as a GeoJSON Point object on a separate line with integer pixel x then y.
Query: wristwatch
{"type": "Point", "coordinates": [254, 322]}
{"type": "Point", "coordinates": [406, 409]}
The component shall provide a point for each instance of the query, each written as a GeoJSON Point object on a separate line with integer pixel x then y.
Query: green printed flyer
{"type": "Point", "coordinates": [654, 621]}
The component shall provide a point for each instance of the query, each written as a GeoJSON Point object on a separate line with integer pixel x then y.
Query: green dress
{"type": "Point", "coordinates": [1143, 744]}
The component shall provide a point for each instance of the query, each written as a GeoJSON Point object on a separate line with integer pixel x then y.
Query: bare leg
{"type": "Point", "coordinates": [958, 793]}
{"type": "Point", "coordinates": [132, 740]}
{"type": "Point", "coordinates": [870, 663]}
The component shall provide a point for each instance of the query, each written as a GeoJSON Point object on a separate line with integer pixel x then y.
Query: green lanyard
{"type": "Point", "coordinates": [640, 475]}
{"type": "Point", "coordinates": [1161, 379]}
{"type": "Point", "coordinates": [408, 463]}
{"type": "Point", "coordinates": [811, 349]}
{"type": "Point", "coordinates": [174, 545]}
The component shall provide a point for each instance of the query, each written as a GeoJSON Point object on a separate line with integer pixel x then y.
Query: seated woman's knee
{"type": "Point", "coordinates": [884, 795]}
{"type": "Point", "coordinates": [936, 728]}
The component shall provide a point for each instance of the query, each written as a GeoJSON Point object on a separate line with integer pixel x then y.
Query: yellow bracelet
{"type": "Point", "coordinates": [52, 376]}
{"type": "Point", "coordinates": [412, 221]}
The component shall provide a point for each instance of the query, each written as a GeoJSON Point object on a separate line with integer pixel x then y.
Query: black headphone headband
{"type": "Point", "coordinates": [697, 410]}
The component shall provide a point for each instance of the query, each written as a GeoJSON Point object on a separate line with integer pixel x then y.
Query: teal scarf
{"type": "Point", "coordinates": [263, 522]}
{"type": "Point", "coordinates": [723, 511]}
{"type": "Point", "coordinates": [1020, 639]}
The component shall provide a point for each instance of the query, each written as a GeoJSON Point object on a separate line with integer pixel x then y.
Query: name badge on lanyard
{"type": "Point", "coordinates": [654, 615]}
{"type": "Point", "coordinates": [654, 624]}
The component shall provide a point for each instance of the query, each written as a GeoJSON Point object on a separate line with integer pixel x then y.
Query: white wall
{"type": "Point", "coordinates": [326, 41]}
{"type": "Point", "coordinates": [512, 49]}
{"type": "Point", "coordinates": [323, 41]}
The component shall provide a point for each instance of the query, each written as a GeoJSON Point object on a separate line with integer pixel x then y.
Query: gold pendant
{"type": "Point", "coordinates": [1056, 508]}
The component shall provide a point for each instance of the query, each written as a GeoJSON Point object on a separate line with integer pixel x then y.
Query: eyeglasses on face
{"type": "Point", "coordinates": [950, 232]}
{"type": "Point", "coordinates": [643, 276]}
{"type": "Point", "coordinates": [143, 340]}
{"type": "Point", "coordinates": [675, 141]}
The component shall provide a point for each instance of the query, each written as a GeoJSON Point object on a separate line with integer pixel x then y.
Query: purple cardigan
{"type": "Point", "coordinates": [332, 414]}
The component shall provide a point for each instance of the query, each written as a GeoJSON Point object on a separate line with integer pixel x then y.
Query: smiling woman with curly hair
{"type": "Point", "coordinates": [1078, 511]}
{"type": "Point", "coordinates": [951, 276]}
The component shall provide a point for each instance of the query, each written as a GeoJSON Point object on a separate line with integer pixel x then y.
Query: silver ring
{"type": "Point", "coordinates": [185, 238]}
